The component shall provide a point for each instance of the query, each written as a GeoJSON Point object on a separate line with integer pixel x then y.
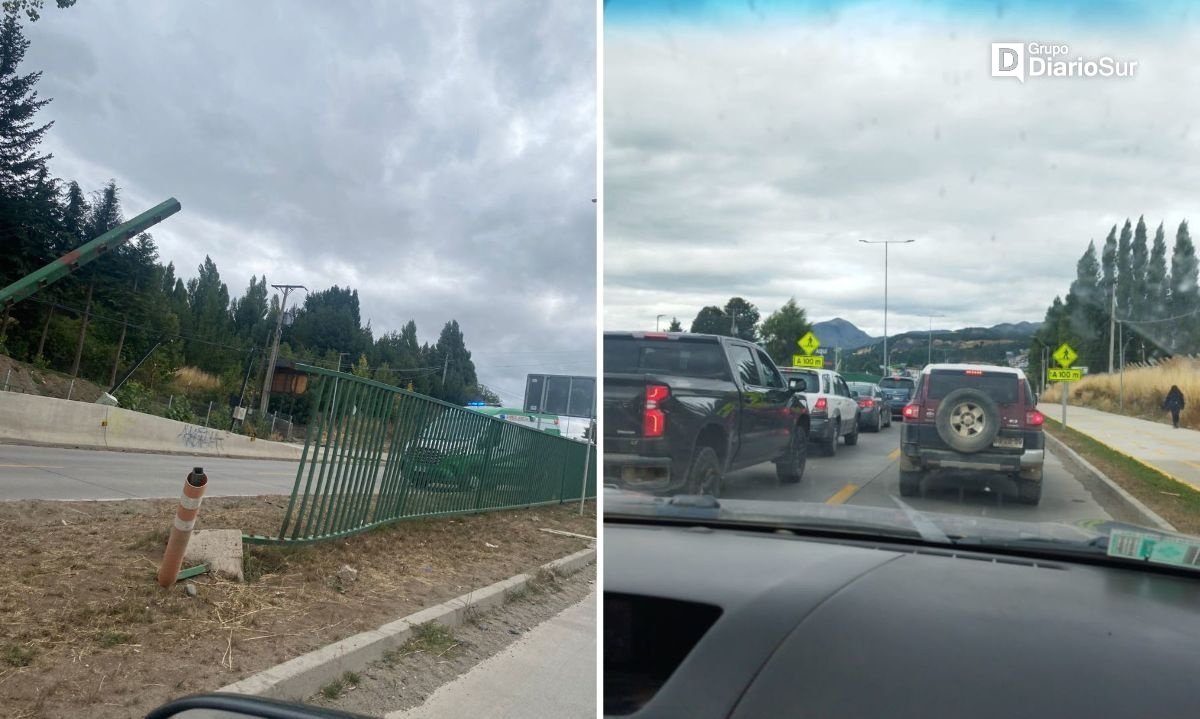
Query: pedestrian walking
{"type": "Point", "coordinates": [1174, 404]}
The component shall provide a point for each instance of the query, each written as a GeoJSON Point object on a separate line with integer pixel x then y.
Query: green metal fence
{"type": "Point", "coordinates": [376, 454]}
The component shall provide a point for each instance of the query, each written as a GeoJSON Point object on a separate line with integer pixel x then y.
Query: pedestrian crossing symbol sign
{"type": "Point", "coordinates": [1065, 355]}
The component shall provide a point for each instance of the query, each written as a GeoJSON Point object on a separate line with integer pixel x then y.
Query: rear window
{"type": "Point", "coordinates": [897, 383]}
{"type": "Point", "coordinates": [630, 355]}
{"type": "Point", "coordinates": [1001, 387]}
{"type": "Point", "coordinates": [812, 380]}
{"type": "Point", "coordinates": [861, 387]}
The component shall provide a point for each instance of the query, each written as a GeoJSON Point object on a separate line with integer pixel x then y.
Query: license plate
{"type": "Point", "coordinates": [1009, 442]}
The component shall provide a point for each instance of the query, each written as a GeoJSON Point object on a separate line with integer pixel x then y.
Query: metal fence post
{"type": "Point", "coordinates": [273, 418]}
{"type": "Point", "coordinates": [587, 461]}
{"type": "Point", "coordinates": [6, 376]}
{"type": "Point", "coordinates": [170, 401]}
{"type": "Point", "coordinates": [208, 413]}
{"type": "Point", "coordinates": [71, 389]}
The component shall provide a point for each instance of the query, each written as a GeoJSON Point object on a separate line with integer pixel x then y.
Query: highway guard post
{"type": "Point", "coordinates": [181, 528]}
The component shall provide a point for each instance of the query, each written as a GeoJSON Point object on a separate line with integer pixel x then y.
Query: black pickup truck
{"type": "Point", "coordinates": [681, 410]}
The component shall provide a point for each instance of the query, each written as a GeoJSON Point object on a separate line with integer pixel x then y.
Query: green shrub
{"type": "Point", "coordinates": [181, 412]}
{"type": "Point", "coordinates": [134, 396]}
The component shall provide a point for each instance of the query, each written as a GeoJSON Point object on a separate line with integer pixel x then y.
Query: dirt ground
{"type": "Point", "coordinates": [48, 383]}
{"type": "Point", "coordinates": [83, 626]}
{"type": "Point", "coordinates": [408, 676]}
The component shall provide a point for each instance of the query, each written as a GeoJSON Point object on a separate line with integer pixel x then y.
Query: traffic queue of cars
{"type": "Point", "coordinates": [682, 410]}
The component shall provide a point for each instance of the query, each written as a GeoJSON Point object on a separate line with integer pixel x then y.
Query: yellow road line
{"type": "Point", "coordinates": [894, 454]}
{"type": "Point", "coordinates": [843, 494]}
{"type": "Point", "coordinates": [30, 466]}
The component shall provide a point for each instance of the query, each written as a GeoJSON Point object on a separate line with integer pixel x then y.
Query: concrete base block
{"type": "Point", "coordinates": [220, 549]}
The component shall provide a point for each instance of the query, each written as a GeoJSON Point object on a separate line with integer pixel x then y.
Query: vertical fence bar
{"type": "Point", "coordinates": [314, 433]}
{"type": "Point", "coordinates": [345, 437]}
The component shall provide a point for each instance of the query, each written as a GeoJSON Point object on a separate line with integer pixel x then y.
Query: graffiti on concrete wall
{"type": "Point", "coordinates": [194, 437]}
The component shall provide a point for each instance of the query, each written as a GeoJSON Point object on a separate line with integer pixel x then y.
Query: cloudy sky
{"type": "Point", "coordinates": [439, 157]}
{"type": "Point", "coordinates": [748, 149]}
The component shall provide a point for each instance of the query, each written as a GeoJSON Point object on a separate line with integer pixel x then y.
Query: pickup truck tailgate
{"type": "Point", "coordinates": [624, 401]}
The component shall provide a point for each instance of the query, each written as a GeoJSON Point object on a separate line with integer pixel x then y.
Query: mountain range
{"type": "Point", "coordinates": [838, 332]}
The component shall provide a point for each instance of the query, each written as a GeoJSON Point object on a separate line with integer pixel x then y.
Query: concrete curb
{"type": "Point", "coordinates": [305, 675]}
{"type": "Point", "coordinates": [1150, 515]}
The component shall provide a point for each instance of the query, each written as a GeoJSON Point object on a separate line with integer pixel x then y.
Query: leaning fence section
{"type": "Point", "coordinates": [376, 454]}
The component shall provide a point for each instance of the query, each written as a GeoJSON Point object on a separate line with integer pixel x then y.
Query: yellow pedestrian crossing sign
{"type": "Point", "coordinates": [1065, 356]}
{"type": "Point", "coordinates": [809, 343]}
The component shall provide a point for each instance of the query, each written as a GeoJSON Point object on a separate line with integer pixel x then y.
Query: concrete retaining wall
{"type": "Point", "coordinates": [30, 419]}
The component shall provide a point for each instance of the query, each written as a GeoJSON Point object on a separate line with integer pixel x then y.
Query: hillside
{"type": "Point", "coordinates": [1005, 343]}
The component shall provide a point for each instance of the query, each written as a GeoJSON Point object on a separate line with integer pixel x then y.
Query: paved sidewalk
{"type": "Point", "coordinates": [1174, 452]}
{"type": "Point", "coordinates": [550, 673]}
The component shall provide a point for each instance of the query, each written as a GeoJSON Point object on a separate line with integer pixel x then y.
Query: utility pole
{"type": "Point", "coordinates": [929, 360]}
{"type": "Point", "coordinates": [445, 367]}
{"type": "Point", "coordinates": [270, 373]}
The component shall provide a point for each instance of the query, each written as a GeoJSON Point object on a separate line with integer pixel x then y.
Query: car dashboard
{"type": "Point", "coordinates": [715, 622]}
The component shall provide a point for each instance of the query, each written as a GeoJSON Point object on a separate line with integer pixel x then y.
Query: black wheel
{"type": "Point", "coordinates": [910, 483]}
{"type": "Point", "coordinates": [831, 445]}
{"type": "Point", "coordinates": [852, 438]}
{"type": "Point", "coordinates": [704, 476]}
{"type": "Point", "coordinates": [968, 420]}
{"type": "Point", "coordinates": [879, 423]}
{"type": "Point", "coordinates": [1029, 491]}
{"type": "Point", "coordinates": [791, 468]}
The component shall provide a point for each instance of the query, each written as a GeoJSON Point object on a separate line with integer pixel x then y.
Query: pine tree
{"type": "Point", "coordinates": [1157, 284]}
{"type": "Point", "coordinates": [1125, 276]}
{"type": "Point", "coordinates": [1108, 262]}
{"type": "Point", "coordinates": [20, 135]}
{"type": "Point", "coordinates": [1137, 269]}
{"type": "Point", "coordinates": [1183, 299]}
{"type": "Point", "coordinates": [675, 326]}
{"type": "Point", "coordinates": [1086, 315]}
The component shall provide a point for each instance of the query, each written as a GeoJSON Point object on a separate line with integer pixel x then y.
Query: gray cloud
{"type": "Point", "coordinates": [437, 156]}
{"type": "Point", "coordinates": [750, 161]}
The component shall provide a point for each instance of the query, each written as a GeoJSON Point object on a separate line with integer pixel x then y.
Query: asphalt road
{"type": "Point", "coordinates": [550, 672]}
{"type": "Point", "coordinates": [53, 473]}
{"type": "Point", "coordinates": [869, 475]}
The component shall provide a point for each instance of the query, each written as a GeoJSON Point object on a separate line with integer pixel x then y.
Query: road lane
{"type": "Point", "coordinates": [55, 473]}
{"type": "Point", "coordinates": [869, 475]}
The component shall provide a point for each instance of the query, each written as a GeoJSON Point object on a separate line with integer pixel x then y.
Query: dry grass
{"type": "Point", "coordinates": [83, 626]}
{"type": "Point", "coordinates": [1145, 389]}
{"type": "Point", "coordinates": [188, 379]}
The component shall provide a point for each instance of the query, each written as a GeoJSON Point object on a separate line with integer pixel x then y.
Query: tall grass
{"type": "Point", "coordinates": [1146, 387]}
{"type": "Point", "coordinates": [189, 379]}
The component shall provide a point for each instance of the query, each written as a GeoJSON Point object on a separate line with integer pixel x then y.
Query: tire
{"type": "Point", "coordinates": [1029, 491]}
{"type": "Point", "coordinates": [831, 443]}
{"type": "Point", "coordinates": [968, 420]}
{"type": "Point", "coordinates": [879, 422]}
{"type": "Point", "coordinates": [791, 469]}
{"type": "Point", "coordinates": [704, 476]}
{"type": "Point", "coordinates": [910, 483]}
{"type": "Point", "coordinates": [852, 438]}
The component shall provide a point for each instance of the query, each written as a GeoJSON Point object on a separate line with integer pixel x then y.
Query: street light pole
{"type": "Point", "coordinates": [656, 320]}
{"type": "Point", "coordinates": [885, 244]}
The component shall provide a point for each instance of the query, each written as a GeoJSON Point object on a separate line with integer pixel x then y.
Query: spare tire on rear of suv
{"type": "Point", "coordinates": [968, 420]}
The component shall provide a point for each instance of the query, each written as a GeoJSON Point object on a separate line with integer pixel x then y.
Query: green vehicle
{"type": "Point", "coordinates": [457, 451]}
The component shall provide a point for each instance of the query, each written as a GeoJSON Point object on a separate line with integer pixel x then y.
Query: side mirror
{"type": "Point", "coordinates": [1036, 399]}
{"type": "Point", "coordinates": [796, 384]}
{"type": "Point", "coordinates": [853, 394]}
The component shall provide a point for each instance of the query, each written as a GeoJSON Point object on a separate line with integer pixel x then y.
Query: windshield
{"type": "Point", "coordinates": [966, 203]}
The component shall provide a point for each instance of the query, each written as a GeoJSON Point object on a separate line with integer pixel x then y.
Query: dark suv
{"type": "Point", "coordinates": [974, 418]}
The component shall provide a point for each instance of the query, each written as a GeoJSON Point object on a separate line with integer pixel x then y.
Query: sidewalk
{"type": "Point", "coordinates": [550, 673]}
{"type": "Point", "coordinates": [1174, 452]}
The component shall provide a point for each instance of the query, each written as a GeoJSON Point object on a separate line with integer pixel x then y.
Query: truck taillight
{"type": "Point", "coordinates": [912, 411]}
{"type": "Point", "coordinates": [1034, 418]}
{"type": "Point", "coordinates": [821, 405]}
{"type": "Point", "coordinates": [654, 421]}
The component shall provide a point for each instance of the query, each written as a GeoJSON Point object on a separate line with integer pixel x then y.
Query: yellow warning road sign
{"type": "Point", "coordinates": [1065, 355]}
{"type": "Point", "coordinates": [1064, 375]}
{"type": "Point", "coordinates": [816, 361]}
{"type": "Point", "coordinates": [809, 343]}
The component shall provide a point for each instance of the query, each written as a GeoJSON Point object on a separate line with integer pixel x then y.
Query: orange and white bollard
{"type": "Point", "coordinates": [181, 529]}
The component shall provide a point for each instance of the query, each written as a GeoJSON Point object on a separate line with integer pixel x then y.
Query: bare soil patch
{"type": "Point", "coordinates": [84, 629]}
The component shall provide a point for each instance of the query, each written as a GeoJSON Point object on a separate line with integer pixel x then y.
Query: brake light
{"type": "Point", "coordinates": [1034, 418]}
{"type": "Point", "coordinates": [912, 411]}
{"type": "Point", "coordinates": [821, 405]}
{"type": "Point", "coordinates": [656, 336]}
{"type": "Point", "coordinates": [868, 403]}
{"type": "Point", "coordinates": [654, 421]}
{"type": "Point", "coordinates": [974, 372]}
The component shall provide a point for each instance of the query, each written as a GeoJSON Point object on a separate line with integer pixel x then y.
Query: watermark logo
{"type": "Point", "coordinates": [1036, 60]}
